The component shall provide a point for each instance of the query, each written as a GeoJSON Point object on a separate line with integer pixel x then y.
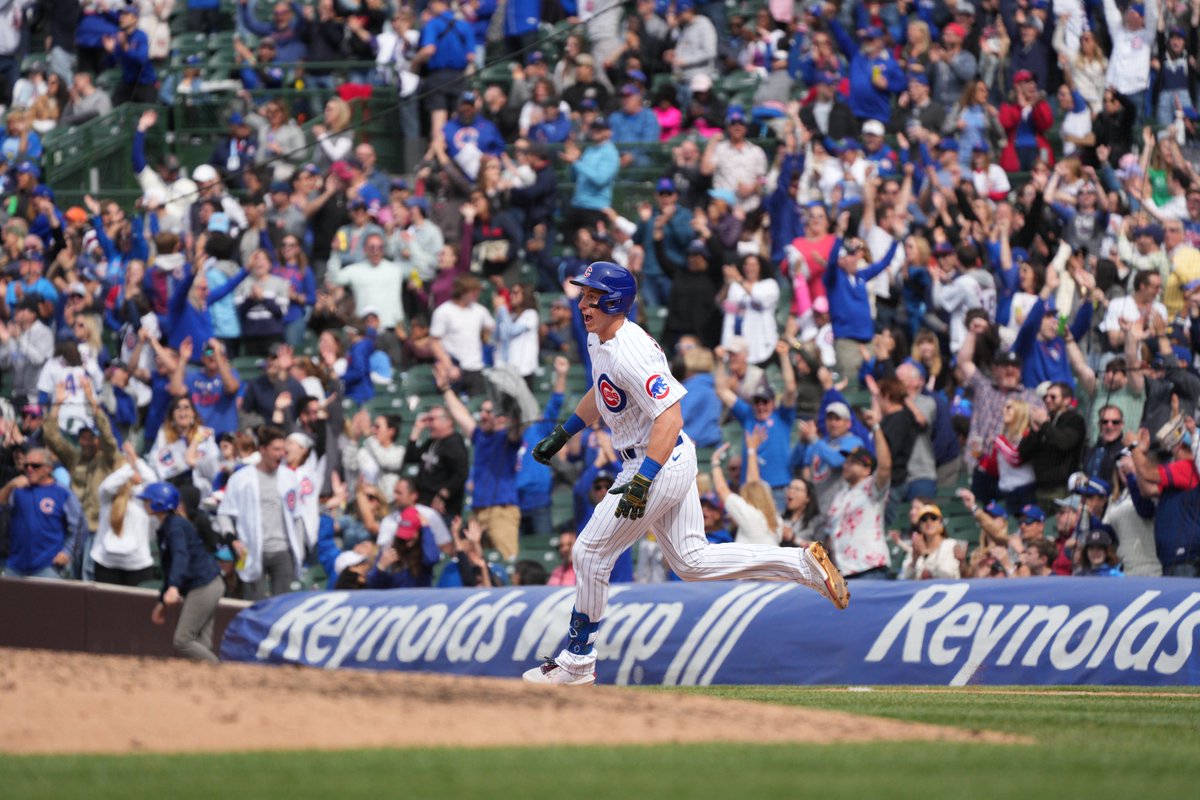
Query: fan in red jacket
{"type": "Point", "coordinates": [1026, 122]}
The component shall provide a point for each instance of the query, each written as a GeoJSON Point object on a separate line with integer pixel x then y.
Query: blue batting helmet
{"type": "Point", "coordinates": [160, 497]}
{"type": "Point", "coordinates": [616, 282]}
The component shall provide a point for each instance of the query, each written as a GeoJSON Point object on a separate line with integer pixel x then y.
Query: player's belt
{"type": "Point", "coordinates": [630, 453]}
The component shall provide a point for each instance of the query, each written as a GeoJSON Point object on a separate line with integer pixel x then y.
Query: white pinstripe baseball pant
{"type": "Point", "coordinates": [673, 513]}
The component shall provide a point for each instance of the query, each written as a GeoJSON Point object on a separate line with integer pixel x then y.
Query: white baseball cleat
{"type": "Point", "coordinates": [551, 674]}
{"type": "Point", "coordinates": [835, 584]}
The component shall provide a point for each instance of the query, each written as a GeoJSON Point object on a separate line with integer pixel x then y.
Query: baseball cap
{"type": "Point", "coordinates": [1155, 232]}
{"type": "Point", "coordinates": [44, 191]}
{"type": "Point", "coordinates": [342, 170]}
{"type": "Point", "coordinates": [32, 254]}
{"type": "Point", "coordinates": [347, 559]}
{"type": "Point", "coordinates": [76, 215]}
{"type": "Point", "coordinates": [723, 194]}
{"type": "Point", "coordinates": [588, 104]}
{"type": "Point", "coordinates": [1099, 536]}
{"type": "Point", "coordinates": [1094, 487]}
{"type": "Point", "coordinates": [964, 7]}
{"type": "Point", "coordinates": [763, 392]}
{"type": "Point", "coordinates": [204, 173]}
{"type": "Point", "coordinates": [1022, 76]}
{"type": "Point", "coordinates": [684, 5]}
{"type": "Point", "coordinates": [418, 202]}
{"type": "Point", "coordinates": [821, 305]}
{"type": "Point", "coordinates": [873, 32]}
{"type": "Point", "coordinates": [701, 82]}
{"type": "Point", "coordinates": [697, 247]}
{"type": "Point", "coordinates": [838, 409]}
{"type": "Point", "coordinates": [311, 169]}
{"type": "Point", "coordinates": [536, 57]}
{"type": "Point", "coordinates": [631, 90]}
{"type": "Point", "coordinates": [1138, 8]}
{"type": "Point", "coordinates": [1007, 358]}
{"type": "Point", "coordinates": [665, 185]}
{"type": "Point", "coordinates": [604, 474]}
{"type": "Point", "coordinates": [948, 145]}
{"type": "Point", "coordinates": [849, 145]}
{"type": "Point", "coordinates": [1178, 33]}
{"type": "Point", "coordinates": [930, 508]}
{"type": "Point", "coordinates": [77, 289]}
{"type": "Point", "coordinates": [636, 75]}
{"type": "Point", "coordinates": [711, 499]}
{"type": "Point", "coordinates": [219, 222]}
{"type": "Point", "coordinates": [357, 204]}
{"type": "Point", "coordinates": [862, 455]}
{"type": "Point", "coordinates": [994, 509]}
{"type": "Point", "coordinates": [279, 186]}
{"type": "Point", "coordinates": [236, 119]}
{"type": "Point", "coordinates": [398, 185]}
{"type": "Point", "coordinates": [29, 168]}
{"type": "Point", "coordinates": [301, 438]}
{"type": "Point", "coordinates": [918, 77]}
{"type": "Point", "coordinates": [1073, 501]}
{"type": "Point", "coordinates": [956, 29]}
{"type": "Point", "coordinates": [585, 59]}
{"type": "Point", "coordinates": [779, 55]}
{"type": "Point", "coordinates": [943, 249]}
{"type": "Point", "coordinates": [468, 97]}
{"type": "Point", "coordinates": [737, 344]}
{"type": "Point", "coordinates": [873, 127]}
{"type": "Point", "coordinates": [1032, 512]}
{"type": "Point", "coordinates": [600, 123]}
{"type": "Point", "coordinates": [31, 410]}
{"type": "Point", "coordinates": [368, 311]}
{"type": "Point", "coordinates": [735, 116]}
{"type": "Point", "coordinates": [980, 147]}
{"type": "Point", "coordinates": [409, 525]}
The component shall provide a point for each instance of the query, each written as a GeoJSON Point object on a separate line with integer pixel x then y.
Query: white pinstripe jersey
{"type": "Point", "coordinates": [633, 384]}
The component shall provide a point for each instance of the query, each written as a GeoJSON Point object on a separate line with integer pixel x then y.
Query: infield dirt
{"type": "Point", "coordinates": [53, 702]}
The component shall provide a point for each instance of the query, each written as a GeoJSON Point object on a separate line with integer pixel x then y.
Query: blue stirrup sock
{"type": "Point", "coordinates": [582, 634]}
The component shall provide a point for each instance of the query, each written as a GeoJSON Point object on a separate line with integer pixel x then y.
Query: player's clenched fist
{"type": "Point", "coordinates": [633, 497]}
{"type": "Point", "coordinates": [544, 450]}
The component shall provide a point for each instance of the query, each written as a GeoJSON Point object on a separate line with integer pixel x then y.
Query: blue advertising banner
{"type": "Point", "coordinates": [1049, 631]}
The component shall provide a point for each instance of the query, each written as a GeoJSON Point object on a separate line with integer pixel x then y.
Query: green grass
{"type": "Point", "coordinates": [1088, 745]}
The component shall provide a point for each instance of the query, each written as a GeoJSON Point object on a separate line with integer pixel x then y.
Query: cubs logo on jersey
{"type": "Point", "coordinates": [46, 505]}
{"type": "Point", "coordinates": [657, 387]}
{"type": "Point", "coordinates": [611, 395]}
{"type": "Point", "coordinates": [291, 500]}
{"type": "Point", "coordinates": [166, 457]}
{"type": "Point", "coordinates": [306, 486]}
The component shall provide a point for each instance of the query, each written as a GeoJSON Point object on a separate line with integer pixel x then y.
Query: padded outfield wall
{"type": "Point", "coordinates": [1049, 631]}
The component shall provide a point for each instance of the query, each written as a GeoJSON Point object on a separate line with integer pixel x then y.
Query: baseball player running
{"type": "Point", "coordinates": [638, 398]}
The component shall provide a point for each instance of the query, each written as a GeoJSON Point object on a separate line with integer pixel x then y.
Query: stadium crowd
{"type": "Point", "coordinates": [941, 255]}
